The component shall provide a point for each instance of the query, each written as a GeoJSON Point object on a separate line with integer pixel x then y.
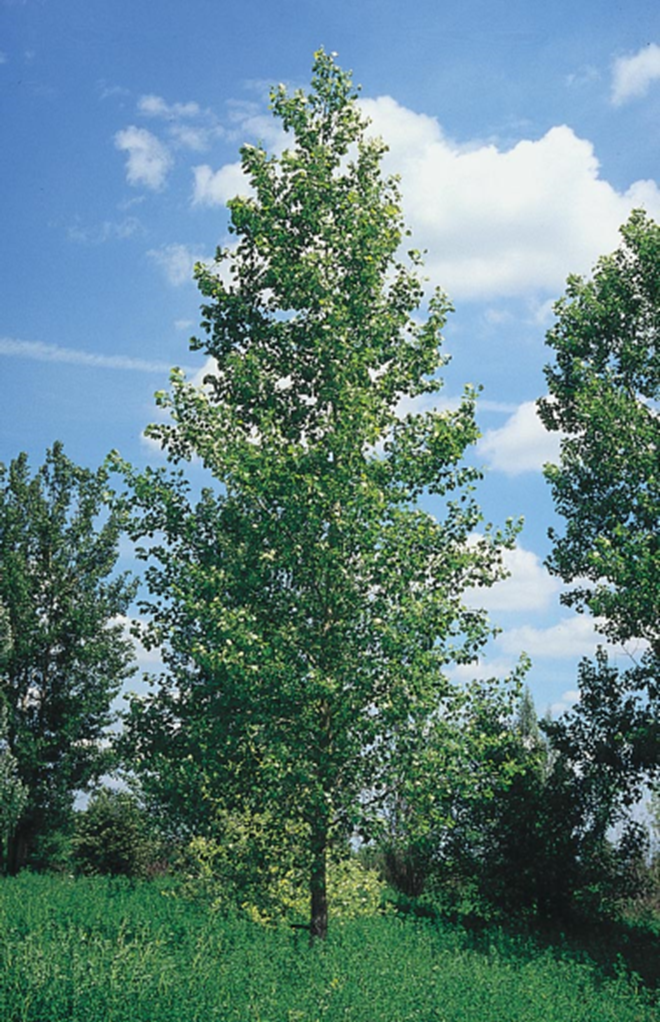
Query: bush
{"type": "Point", "coordinates": [255, 863]}
{"type": "Point", "coordinates": [114, 837]}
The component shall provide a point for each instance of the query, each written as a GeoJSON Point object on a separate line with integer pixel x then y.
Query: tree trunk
{"type": "Point", "coordinates": [17, 852]}
{"type": "Point", "coordinates": [318, 927]}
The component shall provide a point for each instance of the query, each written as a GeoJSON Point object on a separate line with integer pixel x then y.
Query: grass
{"type": "Point", "coordinates": [95, 950]}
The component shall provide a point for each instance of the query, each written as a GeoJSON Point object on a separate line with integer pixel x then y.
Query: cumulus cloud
{"type": "Point", "coordinates": [215, 188]}
{"type": "Point", "coordinates": [633, 75]}
{"type": "Point", "coordinates": [522, 444]}
{"type": "Point", "coordinates": [40, 352]}
{"type": "Point", "coordinates": [148, 160]}
{"type": "Point", "coordinates": [503, 222]}
{"type": "Point", "coordinates": [176, 261]}
{"type": "Point", "coordinates": [529, 586]}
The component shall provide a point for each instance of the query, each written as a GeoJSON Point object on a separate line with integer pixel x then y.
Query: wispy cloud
{"type": "Point", "coordinates": [107, 231]}
{"type": "Point", "coordinates": [177, 262]}
{"type": "Point", "coordinates": [155, 106]}
{"type": "Point", "coordinates": [37, 351]}
{"type": "Point", "coordinates": [633, 75]}
{"type": "Point", "coordinates": [189, 126]}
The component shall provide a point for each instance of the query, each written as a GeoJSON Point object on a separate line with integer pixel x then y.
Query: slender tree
{"type": "Point", "coordinates": [67, 655]}
{"type": "Point", "coordinates": [603, 394]}
{"type": "Point", "coordinates": [308, 605]}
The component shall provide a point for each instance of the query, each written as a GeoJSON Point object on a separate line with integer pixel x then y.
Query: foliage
{"type": "Point", "coordinates": [114, 837]}
{"type": "Point", "coordinates": [13, 793]}
{"type": "Point", "coordinates": [94, 948]}
{"type": "Point", "coordinates": [307, 604]}
{"type": "Point", "coordinates": [509, 818]}
{"type": "Point", "coordinates": [439, 808]}
{"type": "Point", "coordinates": [606, 747]}
{"type": "Point", "coordinates": [603, 395]}
{"type": "Point", "coordinates": [603, 388]}
{"type": "Point", "coordinates": [67, 656]}
{"type": "Point", "coordinates": [251, 868]}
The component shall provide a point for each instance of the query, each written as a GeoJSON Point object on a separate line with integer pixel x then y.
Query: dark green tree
{"type": "Point", "coordinates": [308, 605]}
{"type": "Point", "coordinates": [603, 393]}
{"type": "Point", "coordinates": [114, 836]}
{"type": "Point", "coordinates": [67, 655]}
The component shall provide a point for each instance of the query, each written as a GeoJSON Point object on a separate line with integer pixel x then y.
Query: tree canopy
{"type": "Point", "coordinates": [66, 655]}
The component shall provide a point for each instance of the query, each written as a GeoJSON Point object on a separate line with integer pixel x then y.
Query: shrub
{"type": "Point", "coordinates": [114, 837]}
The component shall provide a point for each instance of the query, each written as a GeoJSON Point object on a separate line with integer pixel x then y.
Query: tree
{"type": "Point", "coordinates": [603, 391]}
{"type": "Point", "coordinates": [604, 387]}
{"type": "Point", "coordinates": [13, 793]}
{"type": "Point", "coordinates": [68, 655]}
{"type": "Point", "coordinates": [115, 837]}
{"type": "Point", "coordinates": [308, 605]}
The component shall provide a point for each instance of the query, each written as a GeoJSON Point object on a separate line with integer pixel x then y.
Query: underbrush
{"type": "Point", "coordinates": [98, 950]}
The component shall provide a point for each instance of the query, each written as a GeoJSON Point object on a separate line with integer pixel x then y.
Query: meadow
{"type": "Point", "coordinates": [104, 950]}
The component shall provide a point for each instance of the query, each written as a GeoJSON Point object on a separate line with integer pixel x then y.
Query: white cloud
{"type": "Point", "coordinates": [503, 222]}
{"type": "Point", "coordinates": [522, 444]}
{"type": "Point", "coordinates": [188, 125]}
{"type": "Point", "coordinates": [572, 638]}
{"type": "Point", "coordinates": [250, 121]}
{"type": "Point", "coordinates": [177, 262]}
{"type": "Point", "coordinates": [633, 75]}
{"type": "Point", "coordinates": [3, 58]}
{"type": "Point", "coordinates": [215, 188]}
{"type": "Point", "coordinates": [155, 106]}
{"type": "Point", "coordinates": [40, 352]}
{"type": "Point", "coordinates": [148, 160]}
{"type": "Point", "coordinates": [529, 587]}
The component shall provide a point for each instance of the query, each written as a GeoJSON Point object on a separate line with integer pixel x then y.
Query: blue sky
{"type": "Point", "coordinates": [524, 134]}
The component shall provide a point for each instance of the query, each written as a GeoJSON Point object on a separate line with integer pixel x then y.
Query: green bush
{"type": "Point", "coordinates": [255, 863]}
{"type": "Point", "coordinates": [113, 837]}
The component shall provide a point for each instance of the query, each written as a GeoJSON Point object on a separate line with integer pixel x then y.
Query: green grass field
{"type": "Point", "coordinates": [95, 950]}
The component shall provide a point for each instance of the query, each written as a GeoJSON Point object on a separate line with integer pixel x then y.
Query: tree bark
{"type": "Point", "coordinates": [17, 852]}
{"type": "Point", "coordinates": [318, 927]}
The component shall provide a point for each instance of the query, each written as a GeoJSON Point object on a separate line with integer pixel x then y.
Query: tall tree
{"type": "Point", "coordinates": [308, 605]}
{"type": "Point", "coordinates": [13, 793]}
{"type": "Point", "coordinates": [67, 655]}
{"type": "Point", "coordinates": [604, 387]}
